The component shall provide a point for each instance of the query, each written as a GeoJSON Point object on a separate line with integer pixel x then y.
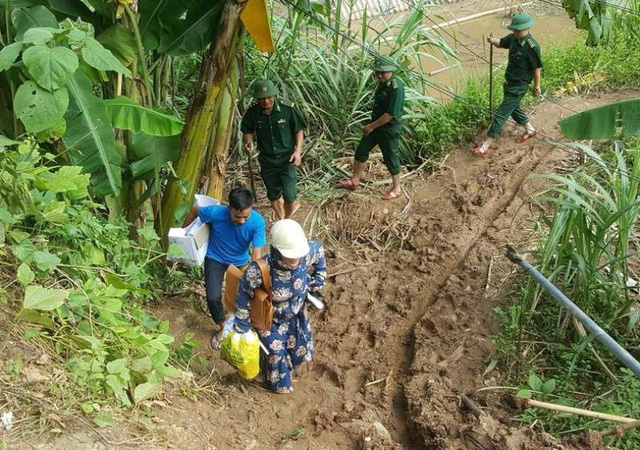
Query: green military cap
{"type": "Point", "coordinates": [263, 88]}
{"type": "Point", "coordinates": [521, 21]}
{"type": "Point", "coordinates": [384, 64]}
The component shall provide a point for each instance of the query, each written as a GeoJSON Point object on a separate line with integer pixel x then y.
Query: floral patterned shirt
{"type": "Point", "coordinates": [289, 286]}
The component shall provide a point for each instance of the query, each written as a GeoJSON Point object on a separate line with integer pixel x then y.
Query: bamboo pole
{"type": "Point", "coordinates": [579, 412]}
{"type": "Point", "coordinates": [620, 429]}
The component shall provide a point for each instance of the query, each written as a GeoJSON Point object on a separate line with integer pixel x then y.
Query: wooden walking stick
{"type": "Point", "coordinates": [253, 183]}
{"type": "Point", "coordinates": [491, 78]}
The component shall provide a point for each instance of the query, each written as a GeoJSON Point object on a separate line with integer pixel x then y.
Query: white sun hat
{"type": "Point", "coordinates": [288, 237]}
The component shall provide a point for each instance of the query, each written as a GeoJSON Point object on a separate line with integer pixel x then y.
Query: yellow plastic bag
{"type": "Point", "coordinates": [242, 351]}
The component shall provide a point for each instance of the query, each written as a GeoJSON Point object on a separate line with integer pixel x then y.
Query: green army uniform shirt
{"type": "Point", "coordinates": [389, 98]}
{"type": "Point", "coordinates": [274, 133]}
{"type": "Point", "coordinates": [524, 59]}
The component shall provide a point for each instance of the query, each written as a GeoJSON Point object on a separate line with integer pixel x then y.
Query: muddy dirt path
{"type": "Point", "coordinates": [409, 318]}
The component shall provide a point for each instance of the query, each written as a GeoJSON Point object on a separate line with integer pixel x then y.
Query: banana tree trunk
{"type": "Point", "coordinates": [217, 155]}
{"type": "Point", "coordinates": [202, 116]}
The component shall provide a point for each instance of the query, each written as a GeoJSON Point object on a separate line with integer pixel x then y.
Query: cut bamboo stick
{"type": "Point", "coordinates": [579, 412]}
{"type": "Point", "coordinates": [621, 428]}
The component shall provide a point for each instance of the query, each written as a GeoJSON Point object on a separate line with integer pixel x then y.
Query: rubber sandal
{"type": "Point", "coordinates": [390, 195]}
{"type": "Point", "coordinates": [348, 183]}
{"type": "Point", "coordinates": [216, 340]}
{"type": "Point", "coordinates": [478, 151]}
{"type": "Point", "coordinates": [525, 137]}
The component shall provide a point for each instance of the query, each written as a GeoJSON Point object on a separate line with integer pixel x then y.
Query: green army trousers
{"type": "Point", "coordinates": [279, 177]}
{"type": "Point", "coordinates": [388, 141]}
{"type": "Point", "coordinates": [510, 106]}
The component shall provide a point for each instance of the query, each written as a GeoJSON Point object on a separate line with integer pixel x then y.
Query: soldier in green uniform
{"type": "Point", "coordinates": [384, 130]}
{"type": "Point", "coordinates": [278, 129]}
{"type": "Point", "coordinates": [524, 66]}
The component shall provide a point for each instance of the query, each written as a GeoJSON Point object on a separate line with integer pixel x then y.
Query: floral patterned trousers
{"type": "Point", "coordinates": [290, 344]}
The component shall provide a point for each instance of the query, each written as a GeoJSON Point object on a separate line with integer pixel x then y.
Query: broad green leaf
{"type": "Point", "coordinates": [159, 358]}
{"type": "Point", "coordinates": [165, 338]}
{"type": "Point", "coordinates": [39, 109]}
{"type": "Point", "coordinates": [549, 386]}
{"type": "Point", "coordinates": [100, 58]}
{"type": "Point", "coordinates": [116, 282]}
{"type": "Point", "coordinates": [31, 333]}
{"type": "Point", "coordinates": [25, 274]}
{"type": "Point", "coordinates": [142, 365]}
{"type": "Point", "coordinates": [117, 365]}
{"type": "Point", "coordinates": [146, 390]}
{"type": "Point", "coordinates": [37, 36]}
{"type": "Point", "coordinates": [24, 250]}
{"type": "Point", "coordinates": [22, 3]}
{"type": "Point", "coordinates": [39, 298]}
{"type": "Point", "coordinates": [51, 68]}
{"type": "Point", "coordinates": [36, 17]}
{"type": "Point", "coordinates": [535, 382]}
{"type": "Point", "coordinates": [157, 17]}
{"type": "Point", "coordinates": [9, 54]}
{"type": "Point", "coordinates": [72, 8]}
{"type": "Point", "coordinates": [76, 38]}
{"type": "Point", "coordinates": [121, 42]}
{"type": "Point", "coordinates": [130, 115]}
{"type": "Point", "coordinates": [172, 372]}
{"type": "Point", "coordinates": [150, 154]}
{"type": "Point", "coordinates": [87, 408]}
{"type": "Point", "coordinates": [524, 393]}
{"type": "Point", "coordinates": [45, 260]}
{"type": "Point", "coordinates": [176, 251]}
{"type": "Point", "coordinates": [31, 316]}
{"type": "Point", "coordinates": [104, 420]}
{"type": "Point", "coordinates": [6, 142]}
{"type": "Point", "coordinates": [90, 139]}
{"type": "Point", "coordinates": [619, 119]}
{"type": "Point", "coordinates": [102, 7]}
{"type": "Point", "coordinates": [67, 179]}
{"type": "Point", "coordinates": [180, 27]}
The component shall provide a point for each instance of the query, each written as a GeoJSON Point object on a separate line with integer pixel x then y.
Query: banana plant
{"type": "Point", "coordinates": [612, 121]}
{"type": "Point", "coordinates": [595, 16]}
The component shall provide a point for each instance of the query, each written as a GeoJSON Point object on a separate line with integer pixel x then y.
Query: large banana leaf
{"type": "Point", "coordinates": [36, 17]}
{"type": "Point", "coordinates": [127, 114]}
{"type": "Point", "coordinates": [178, 27]}
{"type": "Point", "coordinates": [617, 119]}
{"type": "Point", "coordinates": [90, 138]}
{"type": "Point", "coordinates": [151, 153]}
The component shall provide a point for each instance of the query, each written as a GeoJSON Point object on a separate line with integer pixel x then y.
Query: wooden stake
{"type": "Point", "coordinates": [579, 412]}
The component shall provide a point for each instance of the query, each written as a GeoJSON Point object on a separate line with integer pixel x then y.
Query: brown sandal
{"type": "Point", "coordinates": [480, 151]}
{"type": "Point", "coordinates": [525, 137]}
{"type": "Point", "coordinates": [348, 183]}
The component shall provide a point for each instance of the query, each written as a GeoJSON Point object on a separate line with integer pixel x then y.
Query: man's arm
{"type": "Point", "coordinates": [248, 142]}
{"type": "Point", "coordinates": [191, 216]}
{"type": "Point", "coordinates": [296, 156]}
{"type": "Point", "coordinates": [380, 121]}
{"type": "Point", "coordinates": [256, 253]}
{"type": "Point", "coordinates": [536, 81]}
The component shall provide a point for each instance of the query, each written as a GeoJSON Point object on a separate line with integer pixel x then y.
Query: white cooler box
{"type": "Point", "coordinates": [193, 239]}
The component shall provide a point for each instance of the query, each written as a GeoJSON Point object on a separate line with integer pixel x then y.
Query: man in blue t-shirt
{"type": "Point", "coordinates": [234, 228]}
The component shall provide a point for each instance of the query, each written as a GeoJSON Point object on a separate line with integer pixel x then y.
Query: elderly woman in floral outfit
{"type": "Point", "coordinates": [296, 267]}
